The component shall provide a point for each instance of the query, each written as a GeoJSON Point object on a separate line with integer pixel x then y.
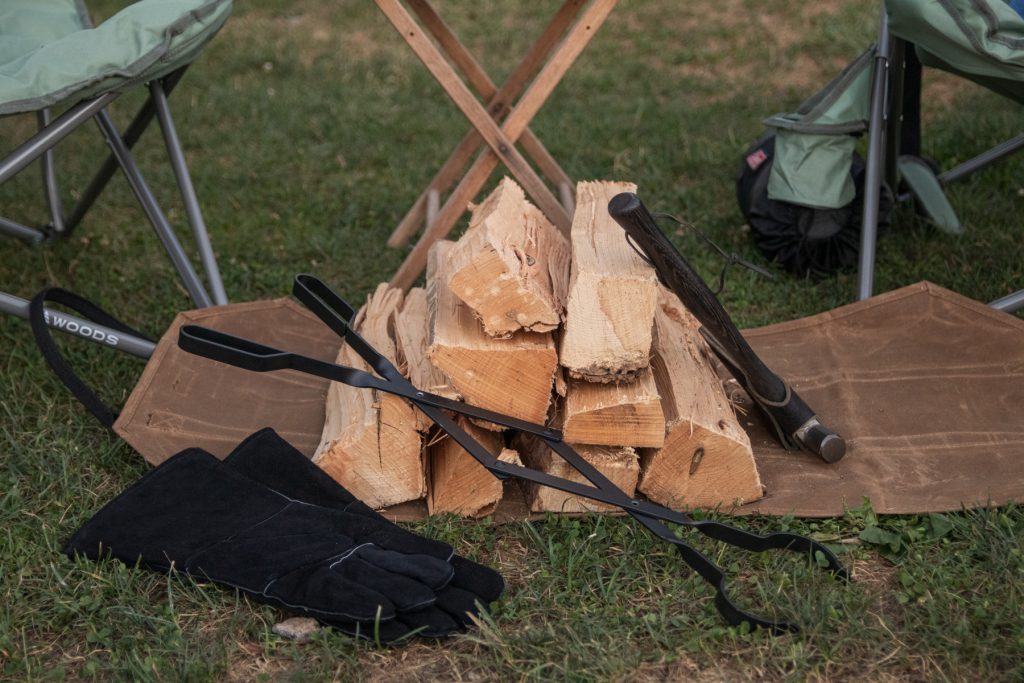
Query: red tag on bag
{"type": "Point", "coordinates": [756, 158]}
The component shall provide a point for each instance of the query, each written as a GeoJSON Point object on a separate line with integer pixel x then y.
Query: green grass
{"type": "Point", "coordinates": [309, 128]}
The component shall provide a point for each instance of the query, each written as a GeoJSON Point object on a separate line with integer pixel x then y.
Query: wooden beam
{"type": "Point", "coordinates": [527, 107]}
{"type": "Point", "coordinates": [489, 130]}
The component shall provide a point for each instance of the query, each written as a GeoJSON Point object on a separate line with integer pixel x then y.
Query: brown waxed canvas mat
{"type": "Point", "coordinates": [927, 386]}
{"type": "Point", "coordinates": [183, 400]}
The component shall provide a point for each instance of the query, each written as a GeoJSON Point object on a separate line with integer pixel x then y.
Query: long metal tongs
{"type": "Point", "coordinates": [338, 315]}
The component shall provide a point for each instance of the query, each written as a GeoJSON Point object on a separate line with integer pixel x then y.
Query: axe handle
{"type": "Point", "coordinates": [793, 419]}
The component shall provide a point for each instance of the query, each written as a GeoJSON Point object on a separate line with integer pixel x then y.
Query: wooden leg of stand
{"type": "Point", "coordinates": [514, 125]}
{"type": "Point", "coordinates": [499, 104]}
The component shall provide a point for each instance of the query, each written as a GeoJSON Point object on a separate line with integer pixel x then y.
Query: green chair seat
{"type": "Point", "coordinates": [49, 53]}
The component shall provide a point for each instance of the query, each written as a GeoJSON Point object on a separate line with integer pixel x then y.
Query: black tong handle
{"type": "Point", "coordinates": [794, 421]}
{"type": "Point", "coordinates": [249, 355]}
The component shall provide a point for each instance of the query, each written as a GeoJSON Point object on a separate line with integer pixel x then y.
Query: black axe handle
{"type": "Point", "coordinates": [794, 421]}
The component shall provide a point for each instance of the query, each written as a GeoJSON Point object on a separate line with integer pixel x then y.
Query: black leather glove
{"type": "Point", "coordinates": [267, 458]}
{"type": "Point", "coordinates": [202, 518]}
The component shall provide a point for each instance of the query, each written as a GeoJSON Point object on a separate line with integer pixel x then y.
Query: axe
{"type": "Point", "coordinates": [795, 423]}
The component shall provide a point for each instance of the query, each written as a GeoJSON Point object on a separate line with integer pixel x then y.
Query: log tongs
{"type": "Point", "coordinates": [338, 315]}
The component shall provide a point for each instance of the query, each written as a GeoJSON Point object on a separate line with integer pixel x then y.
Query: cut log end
{"type": "Point", "coordinates": [616, 414]}
{"type": "Point", "coordinates": [512, 265]}
{"type": "Point", "coordinates": [461, 485]}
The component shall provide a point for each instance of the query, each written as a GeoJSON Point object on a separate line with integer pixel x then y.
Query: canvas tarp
{"type": "Point", "coordinates": [926, 386]}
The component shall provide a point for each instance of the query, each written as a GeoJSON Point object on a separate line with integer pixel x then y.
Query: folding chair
{"type": "Point", "coordinates": [982, 40]}
{"type": "Point", "coordinates": [812, 204]}
{"type": "Point", "coordinates": [50, 56]}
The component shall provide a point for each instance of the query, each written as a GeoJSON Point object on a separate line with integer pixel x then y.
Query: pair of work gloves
{"type": "Point", "coordinates": [272, 524]}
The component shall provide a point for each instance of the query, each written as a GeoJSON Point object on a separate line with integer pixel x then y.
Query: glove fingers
{"type": "Point", "coordinates": [329, 594]}
{"type": "Point", "coordinates": [486, 583]}
{"type": "Point", "coordinates": [425, 569]}
{"type": "Point", "coordinates": [459, 604]}
{"type": "Point", "coordinates": [405, 593]}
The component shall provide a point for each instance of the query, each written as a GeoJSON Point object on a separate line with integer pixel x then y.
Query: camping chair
{"type": "Point", "coordinates": [812, 203]}
{"type": "Point", "coordinates": [51, 56]}
{"type": "Point", "coordinates": [982, 40]}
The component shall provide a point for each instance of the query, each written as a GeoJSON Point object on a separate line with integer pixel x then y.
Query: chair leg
{"type": "Point", "coordinates": [152, 210]}
{"type": "Point", "coordinates": [110, 165]}
{"type": "Point", "coordinates": [40, 145]}
{"type": "Point", "coordinates": [50, 185]}
{"type": "Point", "coordinates": [1010, 303]}
{"type": "Point", "coordinates": [21, 232]}
{"type": "Point", "coordinates": [59, 128]}
{"type": "Point", "coordinates": [875, 162]}
{"type": "Point", "coordinates": [984, 159]}
{"type": "Point", "coordinates": [188, 193]}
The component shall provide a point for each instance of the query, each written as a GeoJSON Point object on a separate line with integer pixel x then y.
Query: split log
{"type": "Point", "coordinates": [706, 460]}
{"type": "Point", "coordinates": [612, 294]}
{"type": "Point", "coordinates": [410, 330]}
{"type": "Point", "coordinates": [511, 376]}
{"type": "Point", "coordinates": [458, 483]}
{"type": "Point", "coordinates": [619, 463]}
{"type": "Point", "coordinates": [369, 443]}
{"type": "Point", "coordinates": [516, 265]}
{"type": "Point", "coordinates": [623, 413]}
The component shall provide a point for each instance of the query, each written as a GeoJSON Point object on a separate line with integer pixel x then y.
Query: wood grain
{"type": "Point", "coordinates": [612, 294]}
{"type": "Point", "coordinates": [516, 268]}
{"type": "Point", "coordinates": [512, 376]}
{"type": "Point", "coordinates": [706, 460]}
{"type": "Point", "coordinates": [370, 443]}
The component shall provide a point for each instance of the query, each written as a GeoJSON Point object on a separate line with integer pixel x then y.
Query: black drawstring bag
{"type": "Point", "coordinates": [803, 240]}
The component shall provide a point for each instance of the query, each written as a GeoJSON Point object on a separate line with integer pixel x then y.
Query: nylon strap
{"type": "Point", "coordinates": [55, 359]}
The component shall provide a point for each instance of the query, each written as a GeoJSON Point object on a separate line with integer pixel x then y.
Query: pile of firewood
{"type": "Point", "coordinates": [574, 332]}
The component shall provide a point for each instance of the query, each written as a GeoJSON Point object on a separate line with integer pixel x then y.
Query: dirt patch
{"type": "Point", "coordinates": [878, 577]}
{"type": "Point", "coordinates": [940, 90]}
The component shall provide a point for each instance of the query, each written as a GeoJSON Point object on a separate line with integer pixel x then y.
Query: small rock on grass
{"type": "Point", "coordinates": [299, 629]}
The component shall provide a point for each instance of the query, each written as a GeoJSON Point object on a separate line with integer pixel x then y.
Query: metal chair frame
{"type": "Point", "coordinates": [53, 130]}
{"type": "Point", "coordinates": [883, 151]}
